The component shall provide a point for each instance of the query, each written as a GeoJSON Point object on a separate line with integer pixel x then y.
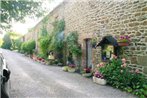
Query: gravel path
{"type": "Point", "coordinates": [30, 79]}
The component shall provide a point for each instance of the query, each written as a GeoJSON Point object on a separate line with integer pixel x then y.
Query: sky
{"type": "Point", "coordinates": [23, 27]}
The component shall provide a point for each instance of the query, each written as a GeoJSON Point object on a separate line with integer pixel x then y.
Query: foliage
{"type": "Point", "coordinates": [28, 47]}
{"type": "Point", "coordinates": [16, 44]}
{"type": "Point", "coordinates": [118, 75]}
{"type": "Point", "coordinates": [6, 42]}
{"type": "Point", "coordinates": [52, 41]}
{"type": "Point", "coordinates": [93, 42]}
{"type": "Point", "coordinates": [18, 9]}
{"type": "Point", "coordinates": [57, 36]}
{"type": "Point", "coordinates": [65, 68]}
{"type": "Point", "coordinates": [43, 32]}
{"type": "Point", "coordinates": [72, 44]}
{"type": "Point", "coordinates": [44, 42]}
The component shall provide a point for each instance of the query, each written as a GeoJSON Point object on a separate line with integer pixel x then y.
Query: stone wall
{"type": "Point", "coordinates": [98, 18]}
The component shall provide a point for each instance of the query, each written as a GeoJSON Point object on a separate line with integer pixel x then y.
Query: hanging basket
{"type": "Point", "coordinates": [123, 43]}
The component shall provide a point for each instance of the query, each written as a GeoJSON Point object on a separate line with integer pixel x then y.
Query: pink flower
{"type": "Point", "coordinates": [123, 60]}
{"type": "Point", "coordinates": [137, 71]}
{"type": "Point", "coordinates": [101, 64]}
{"type": "Point", "coordinates": [98, 65]}
{"type": "Point", "coordinates": [114, 56]}
{"type": "Point", "coordinates": [124, 65]}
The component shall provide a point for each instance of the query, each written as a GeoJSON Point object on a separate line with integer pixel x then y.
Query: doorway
{"type": "Point", "coordinates": [88, 53]}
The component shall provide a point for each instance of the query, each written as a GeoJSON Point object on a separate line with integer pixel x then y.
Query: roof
{"type": "Point", "coordinates": [108, 40]}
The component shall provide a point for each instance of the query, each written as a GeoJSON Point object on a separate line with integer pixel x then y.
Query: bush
{"type": "Point", "coordinates": [120, 76]}
{"type": "Point", "coordinates": [44, 43]}
{"type": "Point", "coordinates": [28, 47]}
{"type": "Point", "coordinates": [72, 44]}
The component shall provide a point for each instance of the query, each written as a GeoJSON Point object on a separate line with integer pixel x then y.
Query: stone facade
{"type": "Point", "coordinates": [99, 18]}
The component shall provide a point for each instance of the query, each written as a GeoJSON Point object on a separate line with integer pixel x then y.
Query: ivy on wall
{"type": "Point", "coordinates": [72, 44]}
{"type": "Point", "coordinates": [57, 36]}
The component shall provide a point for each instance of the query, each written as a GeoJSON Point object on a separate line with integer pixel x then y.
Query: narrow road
{"type": "Point", "coordinates": [30, 79]}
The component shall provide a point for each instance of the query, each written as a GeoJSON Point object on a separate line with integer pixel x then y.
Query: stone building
{"type": "Point", "coordinates": [97, 19]}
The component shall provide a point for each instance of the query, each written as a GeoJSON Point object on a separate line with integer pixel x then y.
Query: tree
{"type": "Point", "coordinates": [7, 42]}
{"type": "Point", "coordinates": [17, 10]}
{"type": "Point", "coordinates": [15, 39]}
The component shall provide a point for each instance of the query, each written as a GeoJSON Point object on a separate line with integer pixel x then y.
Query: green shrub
{"type": "Point", "coordinates": [120, 76]}
{"type": "Point", "coordinates": [44, 43]}
{"type": "Point", "coordinates": [28, 47]}
{"type": "Point", "coordinates": [72, 44]}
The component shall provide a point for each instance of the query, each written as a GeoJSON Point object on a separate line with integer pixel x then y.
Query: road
{"type": "Point", "coordinates": [30, 79]}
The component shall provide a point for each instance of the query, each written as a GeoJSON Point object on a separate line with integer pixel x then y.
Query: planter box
{"type": "Point", "coordinates": [123, 44]}
{"type": "Point", "coordinates": [87, 75]}
{"type": "Point", "coordinates": [99, 81]}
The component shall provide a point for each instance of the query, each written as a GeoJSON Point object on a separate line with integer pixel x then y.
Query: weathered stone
{"type": "Point", "coordinates": [145, 70]}
{"type": "Point", "coordinates": [133, 60]}
{"type": "Point", "coordinates": [138, 48]}
{"type": "Point", "coordinates": [132, 48]}
{"type": "Point", "coordinates": [145, 39]}
{"type": "Point", "coordinates": [144, 23]}
{"type": "Point", "coordinates": [133, 24]}
{"type": "Point", "coordinates": [143, 48]}
{"type": "Point", "coordinates": [144, 9]}
{"type": "Point", "coordinates": [138, 34]}
{"type": "Point", "coordinates": [142, 60]}
{"type": "Point", "coordinates": [137, 14]}
{"type": "Point", "coordinates": [140, 44]}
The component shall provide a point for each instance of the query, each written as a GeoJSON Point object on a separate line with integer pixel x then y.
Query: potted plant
{"type": "Point", "coordinates": [87, 72]}
{"type": "Point", "coordinates": [99, 78]}
{"type": "Point", "coordinates": [65, 68]}
{"type": "Point", "coordinates": [71, 68]}
{"type": "Point", "coordinates": [123, 40]}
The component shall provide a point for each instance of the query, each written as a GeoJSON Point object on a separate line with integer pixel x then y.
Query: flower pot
{"type": "Point", "coordinates": [123, 44]}
{"type": "Point", "coordinates": [99, 81]}
{"type": "Point", "coordinates": [71, 70]}
{"type": "Point", "coordinates": [87, 75]}
{"type": "Point", "coordinates": [65, 68]}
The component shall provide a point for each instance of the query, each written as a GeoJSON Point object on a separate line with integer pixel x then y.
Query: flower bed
{"type": "Point", "coordinates": [120, 76]}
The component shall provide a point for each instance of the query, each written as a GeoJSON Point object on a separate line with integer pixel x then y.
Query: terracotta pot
{"type": "Point", "coordinates": [123, 44]}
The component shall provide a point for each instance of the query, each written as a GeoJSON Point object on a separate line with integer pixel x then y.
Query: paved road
{"type": "Point", "coordinates": [30, 79]}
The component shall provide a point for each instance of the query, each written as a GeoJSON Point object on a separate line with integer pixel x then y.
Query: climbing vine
{"type": "Point", "coordinates": [72, 44]}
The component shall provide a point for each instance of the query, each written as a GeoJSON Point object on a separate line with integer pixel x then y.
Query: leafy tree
{"type": "Point", "coordinates": [7, 42]}
{"type": "Point", "coordinates": [18, 9]}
